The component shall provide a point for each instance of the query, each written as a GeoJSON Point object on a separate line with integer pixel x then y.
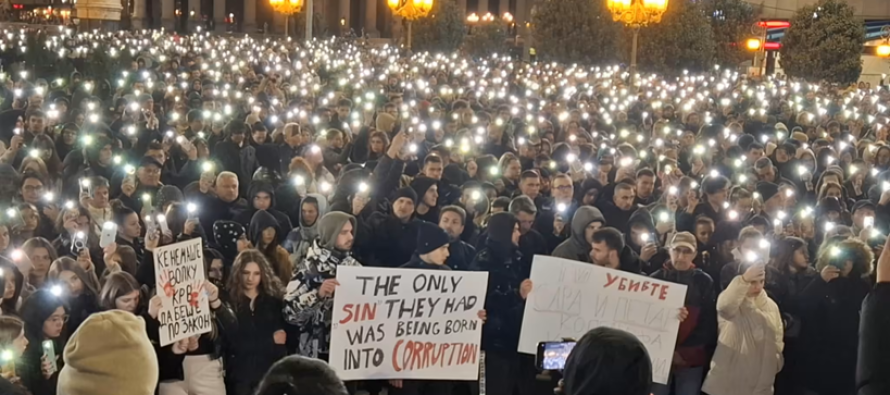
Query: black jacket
{"type": "Point", "coordinates": [829, 337]}
{"type": "Point", "coordinates": [213, 209]}
{"type": "Point", "coordinates": [250, 346]}
{"type": "Point", "coordinates": [503, 303]}
{"type": "Point", "coordinates": [616, 217]}
{"type": "Point", "coordinates": [460, 255]}
{"type": "Point", "coordinates": [244, 217]}
{"type": "Point", "coordinates": [417, 263]}
{"type": "Point", "coordinates": [384, 241]}
{"type": "Point", "coordinates": [872, 369]}
{"type": "Point", "coordinates": [699, 332]}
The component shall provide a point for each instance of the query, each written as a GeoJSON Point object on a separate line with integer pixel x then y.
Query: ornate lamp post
{"type": "Point", "coordinates": [410, 10]}
{"type": "Point", "coordinates": [636, 14]}
{"type": "Point", "coordinates": [287, 8]}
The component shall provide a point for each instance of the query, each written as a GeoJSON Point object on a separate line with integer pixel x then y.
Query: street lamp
{"type": "Point", "coordinates": [287, 8]}
{"type": "Point", "coordinates": [636, 14]}
{"type": "Point", "coordinates": [410, 10]}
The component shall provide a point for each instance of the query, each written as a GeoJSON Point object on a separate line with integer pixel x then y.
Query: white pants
{"type": "Point", "coordinates": [203, 376]}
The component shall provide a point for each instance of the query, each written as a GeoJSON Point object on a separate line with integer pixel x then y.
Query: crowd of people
{"type": "Point", "coordinates": [768, 199]}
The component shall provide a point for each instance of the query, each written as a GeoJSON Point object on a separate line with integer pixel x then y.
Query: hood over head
{"type": "Point", "coordinates": [583, 217]}
{"type": "Point", "coordinates": [260, 186]}
{"type": "Point", "coordinates": [329, 228]}
{"type": "Point", "coordinates": [310, 232]}
{"type": "Point", "coordinates": [261, 221]}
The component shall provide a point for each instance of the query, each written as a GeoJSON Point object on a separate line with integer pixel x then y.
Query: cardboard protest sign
{"type": "Point", "coordinates": [179, 274]}
{"type": "Point", "coordinates": [569, 298]}
{"type": "Point", "coordinates": [407, 324]}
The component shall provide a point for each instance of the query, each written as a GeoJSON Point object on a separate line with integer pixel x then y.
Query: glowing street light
{"type": "Point", "coordinates": [636, 14]}
{"type": "Point", "coordinates": [410, 10]}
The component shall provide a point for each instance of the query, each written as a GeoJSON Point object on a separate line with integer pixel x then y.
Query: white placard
{"type": "Point", "coordinates": [179, 274]}
{"type": "Point", "coordinates": [569, 298]}
{"type": "Point", "coordinates": [407, 324]}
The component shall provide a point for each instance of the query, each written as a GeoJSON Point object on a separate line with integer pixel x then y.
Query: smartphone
{"type": "Point", "coordinates": [79, 243]}
{"type": "Point", "coordinates": [109, 233]}
{"type": "Point", "coordinates": [553, 355]}
{"type": "Point", "coordinates": [162, 223]}
{"type": "Point", "coordinates": [7, 363]}
{"type": "Point", "coordinates": [49, 351]}
{"type": "Point", "coordinates": [151, 226]}
{"type": "Point", "coordinates": [868, 222]}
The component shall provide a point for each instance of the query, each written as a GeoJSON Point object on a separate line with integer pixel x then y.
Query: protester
{"type": "Point", "coordinates": [749, 347]}
{"type": "Point", "coordinates": [297, 375]}
{"type": "Point", "coordinates": [13, 342]}
{"type": "Point", "coordinates": [44, 314]}
{"type": "Point", "coordinates": [104, 354]}
{"type": "Point", "coordinates": [608, 361]}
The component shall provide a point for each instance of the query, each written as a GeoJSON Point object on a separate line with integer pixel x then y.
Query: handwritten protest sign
{"type": "Point", "coordinates": [407, 324]}
{"type": "Point", "coordinates": [179, 271]}
{"type": "Point", "coordinates": [570, 298]}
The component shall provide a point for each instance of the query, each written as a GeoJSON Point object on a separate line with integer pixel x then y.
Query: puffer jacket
{"type": "Point", "coordinates": [749, 347]}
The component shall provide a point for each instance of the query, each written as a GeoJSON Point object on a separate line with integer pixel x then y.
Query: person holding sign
{"type": "Point", "coordinates": [258, 338]}
{"type": "Point", "coordinates": [699, 330]}
{"type": "Point", "coordinates": [749, 347]}
{"type": "Point", "coordinates": [310, 294]}
{"type": "Point", "coordinates": [508, 288]}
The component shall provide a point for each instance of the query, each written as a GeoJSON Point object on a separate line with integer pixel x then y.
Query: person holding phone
{"type": "Point", "coordinates": [45, 315]}
{"type": "Point", "coordinates": [749, 346]}
{"type": "Point", "coordinates": [12, 345]}
{"type": "Point", "coordinates": [80, 289]}
{"type": "Point", "coordinates": [830, 318]}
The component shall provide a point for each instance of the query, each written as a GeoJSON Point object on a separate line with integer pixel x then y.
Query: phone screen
{"type": "Point", "coordinates": [553, 355]}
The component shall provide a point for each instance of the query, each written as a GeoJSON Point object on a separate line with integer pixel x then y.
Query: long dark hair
{"type": "Point", "coordinates": [37, 309]}
{"type": "Point", "coordinates": [784, 257]}
{"type": "Point", "coordinates": [63, 264]}
{"type": "Point", "coordinates": [269, 283]}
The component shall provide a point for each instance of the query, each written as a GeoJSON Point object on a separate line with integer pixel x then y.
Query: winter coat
{"type": "Point", "coordinates": [460, 255]}
{"type": "Point", "coordinates": [504, 305]}
{"type": "Point", "coordinates": [644, 218]}
{"type": "Point", "coordinates": [302, 305]}
{"type": "Point", "coordinates": [614, 216]}
{"type": "Point", "coordinates": [250, 346]}
{"type": "Point", "coordinates": [829, 336]}
{"type": "Point", "coordinates": [749, 347]}
{"type": "Point", "coordinates": [385, 241]}
{"type": "Point", "coordinates": [576, 247]}
{"type": "Point", "coordinates": [872, 369]}
{"type": "Point", "coordinates": [417, 263]}
{"type": "Point", "coordinates": [699, 331]}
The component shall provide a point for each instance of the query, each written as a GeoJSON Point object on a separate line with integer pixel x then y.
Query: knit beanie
{"type": "Point", "coordinates": [500, 227]}
{"type": "Point", "coordinates": [109, 354]}
{"type": "Point", "coordinates": [421, 185]}
{"type": "Point", "coordinates": [430, 237]}
{"type": "Point", "coordinates": [405, 192]}
{"type": "Point", "coordinates": [767, 190]}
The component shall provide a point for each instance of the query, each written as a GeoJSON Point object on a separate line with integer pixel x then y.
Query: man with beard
{"type": "Point", "coordinates": [618, 210]}
{"type": "Point", "coordinates": [451, 220]}
{"type": "Point", "coordinates": [310, 296]}
{"type": "Point", "coordinates": [608, 249]}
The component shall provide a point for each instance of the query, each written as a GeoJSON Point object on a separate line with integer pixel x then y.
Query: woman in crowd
{"type": "Point", "coordinates": [13, 282]}
{"type": "Point", "coordinates": [749, 346]}
{"type": "Point", "coordinates": [74, 223]}
{"type": "Point", "coordinates": [255, 295]}
{"type": "Point", "coordinates": [120, 292]}
{"type": "Point", "coordinates": [41, 254]}
{"type": "Point", "coordinates": [14, 342]}
{"type": "Point", "coordinates": [829, 311]}
{"type": "Point", "coordinates": [264, 234]}
{"type": "Point", "coordinates": [81, 289]}
{"type": "Point", "coordinates": [45, 315]}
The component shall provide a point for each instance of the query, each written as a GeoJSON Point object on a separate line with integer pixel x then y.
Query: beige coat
{"type": "Point", "coordinates": [749, 346]}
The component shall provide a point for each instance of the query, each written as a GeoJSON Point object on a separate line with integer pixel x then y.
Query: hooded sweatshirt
{"type": "Point", "coordinates": [244, 217]}
{"type": "Point", "coordinates": [109, 354]}
{"type": "Point", "coordinates": [303, 307]}
{"type": "Point", "coordinates": [274, 252]}
{"type": "Point", "coordinates": [644, 218]}
{"type": "Point", "coordinates": [299, 239]}
{"type": "Point", "coordinates": [576, 247]}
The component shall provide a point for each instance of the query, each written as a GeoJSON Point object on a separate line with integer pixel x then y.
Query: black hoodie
{"type": "Point", "coordinates": [503, 262]}
{"type": "Point", "coordinates": [608, 361]}
{"type": "Point", "coordinates": [244, 217]}
{"type": "Point", "coordinates": [643, 217]}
